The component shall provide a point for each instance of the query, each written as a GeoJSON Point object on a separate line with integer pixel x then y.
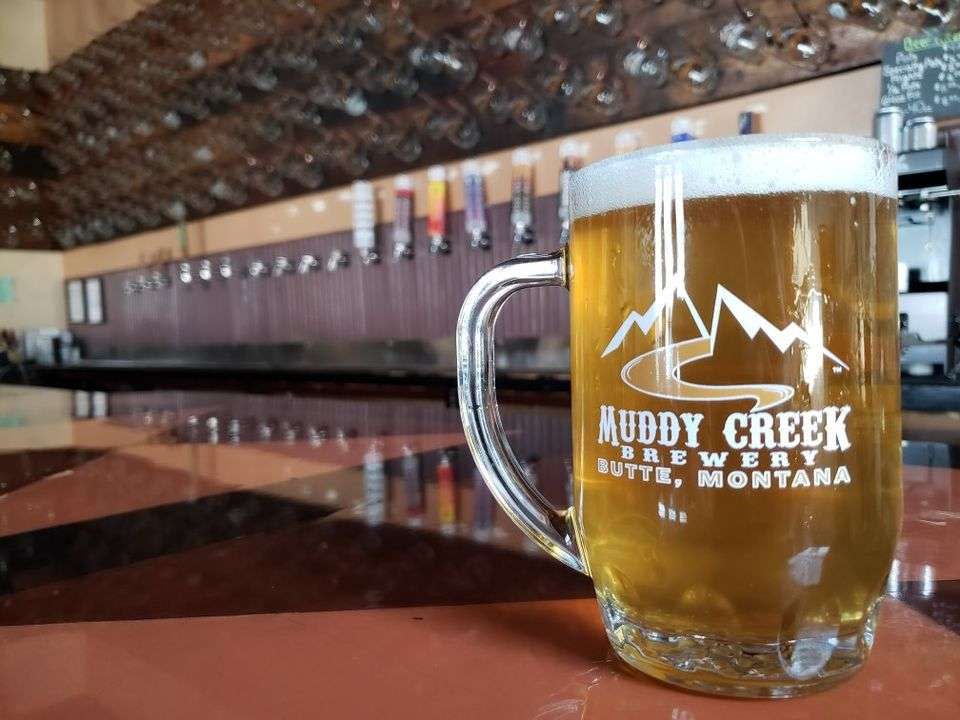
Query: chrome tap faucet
{"type": "Point", "coordinates": [281, 266]}
{"type": "Point", "coordinates": [338, 259]}
{"type": "Point", "coordinates": [369, 256]}
{"type": "Point", "coordinates": [307, 264]}
{"type": "Point", "coordinates": [158, 279]}
{"type": "Point", "coordinates": [256, 268]}
{"type": "Point", "coordinates": [205, 270]}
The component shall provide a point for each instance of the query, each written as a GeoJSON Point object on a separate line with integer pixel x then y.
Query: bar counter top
{"type": "Point", "coordinates": [188, 554]}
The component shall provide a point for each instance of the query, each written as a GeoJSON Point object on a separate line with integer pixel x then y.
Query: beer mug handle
{"type": "Point", "coordinates": [552, 529]}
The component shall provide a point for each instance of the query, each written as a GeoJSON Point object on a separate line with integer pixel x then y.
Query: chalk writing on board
{"type": "Point", "coordinates": [921, 75]}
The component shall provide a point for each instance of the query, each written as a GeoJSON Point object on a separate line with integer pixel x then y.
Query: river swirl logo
{"type": "Point", "coordinates": [658, 372]}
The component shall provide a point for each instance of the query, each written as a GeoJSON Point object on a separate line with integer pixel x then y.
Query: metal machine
{"type": "Point", "coordinates": [929, 264]}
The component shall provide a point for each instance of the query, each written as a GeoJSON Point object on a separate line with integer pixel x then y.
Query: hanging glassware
{"type": "Point", "coordinates": [697, 70]}
{"type": "Point", "coordinates": [928, 12]}
{"type": "Point", "coordinates": [646, 61]}
{"type": "Point", "coordinates": [525, 38]}
{"type": "Point", "coordinates": [561, 15]}
{"type": "Point", "coordinates": [745, 34]}
{"type": "Point", "coordinates": [874, 14]}
{"type": "Point", "coordinates": [804, 42]}
{"type": "Point", "coordinates": [605, 94]}
{"type": "Point", "coordinates": [605, 16]}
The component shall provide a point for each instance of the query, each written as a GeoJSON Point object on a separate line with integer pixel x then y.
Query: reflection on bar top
{"type": "Point", "coordinates": [264, 555]}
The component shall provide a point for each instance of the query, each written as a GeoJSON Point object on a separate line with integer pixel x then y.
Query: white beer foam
{"type": "Point", "coordinates": [740, 165]}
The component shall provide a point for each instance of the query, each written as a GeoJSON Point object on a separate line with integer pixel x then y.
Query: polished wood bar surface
{"type": "Point", "coordinates": [161, 561]}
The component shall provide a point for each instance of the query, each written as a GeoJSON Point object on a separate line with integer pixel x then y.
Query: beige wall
{"type": "Point", "coordinates": [71, 24]}
{"type": "Point", "coordinates": [37, 34]}
{"type": "Point", "coordinates": [37, 286]}
{"type": "Point", "coordinates": [35, 418]}
{"type": "Point", "coordinates": [23, 35]}
{"type": "Point", "coordinates": [842, 103]}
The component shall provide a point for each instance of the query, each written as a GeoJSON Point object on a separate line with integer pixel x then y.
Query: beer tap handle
{"type": "Point", "coordinates": [554, 530]}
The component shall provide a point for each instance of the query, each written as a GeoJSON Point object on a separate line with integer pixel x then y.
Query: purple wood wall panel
{"type": "Point", "coordinates": [404, 300]}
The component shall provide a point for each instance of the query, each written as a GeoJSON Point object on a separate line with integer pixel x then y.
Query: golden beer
{"type": "Point", "coordinates": [784, 298]}
{"type": "Point", "coordinates": [735, 400]}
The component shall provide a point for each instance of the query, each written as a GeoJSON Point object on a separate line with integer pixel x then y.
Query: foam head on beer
{"type": "Point", "coordinates": [744, 165]}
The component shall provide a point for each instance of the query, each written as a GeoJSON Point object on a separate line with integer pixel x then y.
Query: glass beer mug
{"type": "Point", "coordinates": [736, 405]}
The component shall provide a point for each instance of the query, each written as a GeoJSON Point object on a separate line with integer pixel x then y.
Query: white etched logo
{"type": "Point", "coordinates": [658, 372]}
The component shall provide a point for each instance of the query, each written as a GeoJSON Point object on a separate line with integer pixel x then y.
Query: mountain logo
{"type": "Point", "coordinates": [657, 372]}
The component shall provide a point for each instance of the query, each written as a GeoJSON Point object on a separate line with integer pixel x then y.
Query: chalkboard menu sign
{"type": "Point", "coordinates": [921, 75]}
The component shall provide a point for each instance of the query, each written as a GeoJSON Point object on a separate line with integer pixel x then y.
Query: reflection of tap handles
{"type": "Point", "coordinates": [185, 273]}
{"type": "Point", "coordinates": [483, 508]}
{"type": "Point", "coordinates": [213, 430]}
{"type": "Point", "coordinates": [265, 430]}
{"type": "Point", "coordinates": [193, 428]}
{"type": "Point", "coordinates": [316, 436]}
{"type": "Point", "coordinates": [374, 485]}
{"type": "Point", "coordinates": [226, 268]}
{"type": "Point", "coordinates": [233, 431]}
{"type": "Point", "coordinates": [289, 431]}
{"type": "Point", "coordinates": [413, 486]}
{"type": "Point", "coordinates": [446, 495]}
{"type": "Point", "coordinates": [281, 266]}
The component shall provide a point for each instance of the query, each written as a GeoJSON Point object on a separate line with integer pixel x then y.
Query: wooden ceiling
{"type": "Point", "coordinates": [194, 107]}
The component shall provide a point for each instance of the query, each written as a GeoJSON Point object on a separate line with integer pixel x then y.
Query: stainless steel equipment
{"type": "Point", "coordinates": [927, 258]}
{"type": "Point", "coordinates": [888, 127]}
{"type": "Point", "coordinates": [920, 133]}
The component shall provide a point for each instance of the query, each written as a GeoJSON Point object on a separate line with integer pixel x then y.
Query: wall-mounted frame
{"type": "Point", "coordinates": [93, 297]}
{"type": "Point", "coordinates": [76, 305]}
